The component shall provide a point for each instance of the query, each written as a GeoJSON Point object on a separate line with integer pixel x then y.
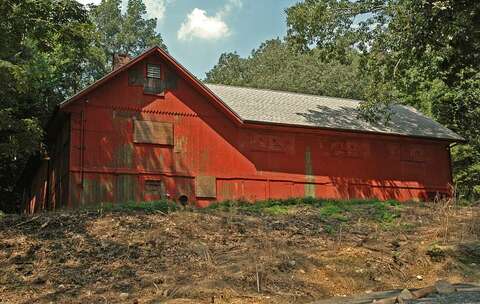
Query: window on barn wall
{"type": "Point", "coordinates": [155, 187]}
{"type": "Point", "coordinates": [153, 82]}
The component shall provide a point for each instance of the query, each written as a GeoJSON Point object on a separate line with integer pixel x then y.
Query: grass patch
{"type": "Point", "coordinates": [164, 206]}
{"type": "Point", "coordinates": [276, 210]}
{"type": "Point", "coordinates": [338, 210]}
{"type": "Point", "coordinates": [334, 211]}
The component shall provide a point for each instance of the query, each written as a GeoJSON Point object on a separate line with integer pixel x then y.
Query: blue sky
{"type": "Point", "coordinates": [197, 32]}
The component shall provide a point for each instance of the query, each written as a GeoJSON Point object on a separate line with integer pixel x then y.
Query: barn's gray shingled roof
{"type": "Point", "coordinates": [269, 106]}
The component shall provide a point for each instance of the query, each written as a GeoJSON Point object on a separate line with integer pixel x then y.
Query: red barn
{"type": "Point", "coordinates": [150, 130]}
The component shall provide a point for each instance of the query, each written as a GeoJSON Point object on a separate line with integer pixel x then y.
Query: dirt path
{"type": "Point", "coordinates": [213, 256]}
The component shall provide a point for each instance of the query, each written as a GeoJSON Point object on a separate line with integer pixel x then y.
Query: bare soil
{"type": "Point", "coordinates": [213, 256]}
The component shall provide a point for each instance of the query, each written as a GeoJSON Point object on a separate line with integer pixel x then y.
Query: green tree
{"type": "Point", "coordinates": [231, 69]}
{"type": "Point", "coordinates": [130, 33]}
{"type": "Point", "coordinates": [423, 53]}
{"type": "Point", "coordinates": [276, 65]}
{"type": "Point", "coordinates": [43, 58]}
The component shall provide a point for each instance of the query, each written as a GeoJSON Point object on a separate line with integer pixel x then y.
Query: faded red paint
{"type": "Point", "coordinates": [245, 160]}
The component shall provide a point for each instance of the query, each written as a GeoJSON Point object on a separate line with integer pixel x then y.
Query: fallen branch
{"type": "Point", "coordinates": [26, 222]}
{"type": "Point", "coordinates": [45, 224]}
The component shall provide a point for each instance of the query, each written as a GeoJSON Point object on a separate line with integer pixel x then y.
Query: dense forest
{"type": "Point", "coordinates": [422, 53]}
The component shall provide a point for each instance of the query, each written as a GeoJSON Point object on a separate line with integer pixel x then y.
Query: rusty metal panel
{"type": "Point", "coordinates": [206, 186]}
{"type": "Point", "coordinates": [153, 132]}
{"type": "Point", "coordinates": [126, 188]}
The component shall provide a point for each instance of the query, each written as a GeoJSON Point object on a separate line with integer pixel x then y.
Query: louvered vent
{"type": "Point", "coordinates": [154, 83]}
{"type": "Point", "coordinates": [153, 71]}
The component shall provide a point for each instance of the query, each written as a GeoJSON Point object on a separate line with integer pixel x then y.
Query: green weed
{"type": "Point", "coordinates": [339, 210]}
{"type": "Point", "coordinates": [276, 210]}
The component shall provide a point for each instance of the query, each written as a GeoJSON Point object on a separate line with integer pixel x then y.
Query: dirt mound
{"type": "Point", "coordinates": [297, 254]}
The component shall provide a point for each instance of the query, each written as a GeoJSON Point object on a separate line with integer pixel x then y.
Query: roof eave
{"type": "Point", "coordinates": [266, 123]}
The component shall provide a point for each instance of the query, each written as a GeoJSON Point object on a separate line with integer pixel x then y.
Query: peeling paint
{"type": "Point", "coordinates": [309, 177]}
{"type": "Point", "coordinates": [126, 187]}
{"type": "Point", "coordinates": [94, 191]}
{"type": "Point", "coordinates": [180, 144]}
{"type": "Point", "coordinates": [227, 190]}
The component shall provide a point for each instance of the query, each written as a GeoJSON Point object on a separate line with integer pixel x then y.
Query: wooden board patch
{"type": "Point", "coordinates": [153, 132]}
{"type": "Point", "coordinates": [206, 186]}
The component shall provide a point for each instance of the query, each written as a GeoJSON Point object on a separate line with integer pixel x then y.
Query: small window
{"type": "Point", "coordinates": [154, 83]}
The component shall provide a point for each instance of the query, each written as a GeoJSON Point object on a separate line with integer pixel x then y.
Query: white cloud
{"type": "Point", "coordinates": [229, 7]}
{"type": "Point", "coordinates": [199, 25]}
{"type": "Point", "coordinates": [157, 8]}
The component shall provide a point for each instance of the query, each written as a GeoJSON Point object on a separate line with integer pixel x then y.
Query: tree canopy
{"type": "Point", "coordinates": [129, 33]}
{"type": "Point", "coordinates": [276, 65]}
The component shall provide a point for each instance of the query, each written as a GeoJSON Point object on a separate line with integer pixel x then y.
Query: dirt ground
{"type": "Point", "coordinates": [214, 256]}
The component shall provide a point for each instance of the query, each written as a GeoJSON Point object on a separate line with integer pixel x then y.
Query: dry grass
{"type": "Point", "coordinates": [296, 253]}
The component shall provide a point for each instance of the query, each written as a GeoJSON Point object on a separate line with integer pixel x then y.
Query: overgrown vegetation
{"type": "Point", "coordinates": [50, 49]}
{"type": "Point", "coordinates": [332, 211]}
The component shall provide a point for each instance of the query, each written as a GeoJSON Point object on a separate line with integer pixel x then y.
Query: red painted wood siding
{"type": "Point", "coordinates": [250, 161]}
